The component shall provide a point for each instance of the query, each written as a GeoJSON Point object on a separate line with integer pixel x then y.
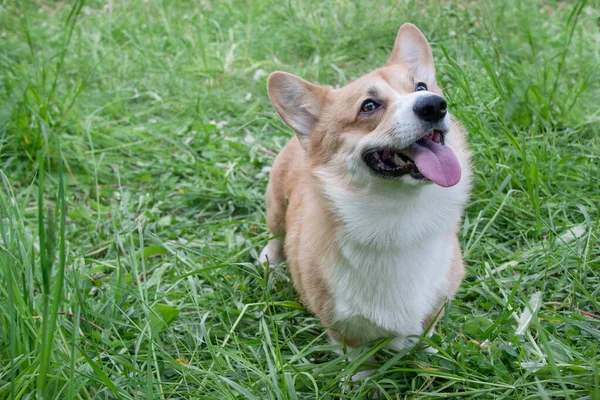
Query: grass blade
{"type": "Point", "coordinates": [100, 373]}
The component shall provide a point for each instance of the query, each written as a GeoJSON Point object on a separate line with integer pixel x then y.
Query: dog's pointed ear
{"type": "Point", "coordinates": [412, 50]}
{"type": "Point", "coordinates": [298, 102]}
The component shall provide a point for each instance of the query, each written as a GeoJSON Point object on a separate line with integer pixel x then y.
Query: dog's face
{"type": "Point", "coordinates": [391, 124]}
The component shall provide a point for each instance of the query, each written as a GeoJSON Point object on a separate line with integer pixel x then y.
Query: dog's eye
{"type": "Point", "coordinates": [420, 86]}
{"type": "Point", "coordinates": [368, 106]}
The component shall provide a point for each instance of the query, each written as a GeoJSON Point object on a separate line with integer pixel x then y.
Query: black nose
{"type": "Point", "coordinates": [430, 108]}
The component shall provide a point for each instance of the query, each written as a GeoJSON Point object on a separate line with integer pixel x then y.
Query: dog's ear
{"type": "Point", "coordinates": [412, 50]}
{"type": "Point", "coordinates": [298, 102]}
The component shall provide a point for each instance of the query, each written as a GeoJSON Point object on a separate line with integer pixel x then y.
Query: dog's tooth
{"type": "Point", "coordinates": [398, 160]}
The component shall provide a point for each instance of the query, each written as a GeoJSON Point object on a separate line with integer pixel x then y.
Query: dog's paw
{"type": "Point", "coordinates": [430, 350]}
{"type": "Point", "coordinates": [359, 376]}
{"type": "Point", "coordinates": [272, 254]}
{"type": "Point", "coordinates": [400, 343]}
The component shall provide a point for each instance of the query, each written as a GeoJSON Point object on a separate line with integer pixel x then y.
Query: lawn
{"type": "Point", "coordinates": [135, 142]}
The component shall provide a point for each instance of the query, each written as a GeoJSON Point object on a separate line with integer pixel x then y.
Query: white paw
{"type": "Point", "coordinates": [272, 254]}
{"type": "Point", "coordinates": [359, 376]}
{"type": "Point", "coordinates": [430, 350]}
{"type": "Point", "coordinates": [400, 343]}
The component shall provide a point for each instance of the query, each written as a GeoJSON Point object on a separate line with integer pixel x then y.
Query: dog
{"type": "Point", "coordinates": [369, 195]}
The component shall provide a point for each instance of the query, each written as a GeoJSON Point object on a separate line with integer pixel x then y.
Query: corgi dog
{"type": "Point", "coordinates": [369, 195]}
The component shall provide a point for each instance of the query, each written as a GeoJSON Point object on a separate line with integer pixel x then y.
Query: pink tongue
{"type": "Point", "coordinates": [436, 162]}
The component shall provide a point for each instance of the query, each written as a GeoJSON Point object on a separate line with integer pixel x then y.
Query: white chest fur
{"type": "Point", "coordinates": [394, 258]}
{"type": "Point", "coordinates": [391, 291]}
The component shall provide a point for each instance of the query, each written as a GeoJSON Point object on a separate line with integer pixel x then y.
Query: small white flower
{"type": "Point", "coordinates": [219, 124]}
{"type": "Point", "coordinates": [260, 73]}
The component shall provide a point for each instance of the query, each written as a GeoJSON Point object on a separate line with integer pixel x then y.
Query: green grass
{"type": "Point", "coordinates": [133, 137]}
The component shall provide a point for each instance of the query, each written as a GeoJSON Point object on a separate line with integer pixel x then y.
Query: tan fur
{"type": "Point", "coordinates": [297, 207]}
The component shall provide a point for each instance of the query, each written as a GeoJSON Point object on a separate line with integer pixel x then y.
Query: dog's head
{"type": "Point", "coordinates": [391, 124]}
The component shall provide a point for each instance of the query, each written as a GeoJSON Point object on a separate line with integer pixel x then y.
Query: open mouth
{"type": "Point", "coordinates": [426, 159]}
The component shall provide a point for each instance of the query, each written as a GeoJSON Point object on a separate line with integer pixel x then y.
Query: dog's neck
{"type": "Point", "coordinates": [391, 215]}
